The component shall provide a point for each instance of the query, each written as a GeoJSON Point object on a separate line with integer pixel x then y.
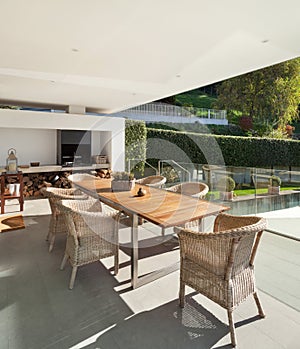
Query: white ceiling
{"type": "Point", "coordinates": [112, 55]}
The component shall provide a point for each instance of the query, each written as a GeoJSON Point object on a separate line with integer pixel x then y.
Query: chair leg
{"type": "Point", "coordinates": [52, 232]}
{"type": "Point", "coordinates": [259, 307]}
{"type": "Point", "coordinates": [116, 269]}
{"type": "Point", "coordinates": [52, 226]}
{"type": "Point", "coordinates": [52, 239]}
{"type": "Point", "coordinates": [48, 235]}
{"type": "Point", "coordinates": [181, 293]}
{"type": "Point", "coordinates": [73, 276]}
{"type": "Point", "coordinates": [63, 263]}
{"type": "Point", "coordinates": [50, 229]}
{"type": "Point", "coordinates": [162, 231]}
{"type": "Point", "coordinates": [232, 329]}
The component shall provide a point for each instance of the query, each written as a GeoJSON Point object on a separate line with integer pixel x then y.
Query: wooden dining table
{"type": "Point", "coordinates": [158, 206]}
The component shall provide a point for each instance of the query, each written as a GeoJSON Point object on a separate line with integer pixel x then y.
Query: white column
{"type": "Point", "coordinates": [76, 109]}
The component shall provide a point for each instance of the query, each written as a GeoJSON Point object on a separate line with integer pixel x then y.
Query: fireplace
{"type": "Point", "coordinates": [73, 147]}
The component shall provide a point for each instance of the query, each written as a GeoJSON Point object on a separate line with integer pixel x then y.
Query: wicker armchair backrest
{"type": "Point", "coordinates": [85, 218]}
{"type": "Point", "coordinates": [233, 248]}
{"type": "Point", "coordinates": [155, 181]}
{"type": "Point", "coordinates": [196, 189]}
{"type": "Point", "coordinates": [76, 177]}
{"type": "Point", "coordinates": [89, 205]}
{"type": "Point", "coordinates": [55, 195]}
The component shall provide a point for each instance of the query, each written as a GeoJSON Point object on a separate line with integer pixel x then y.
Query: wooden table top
{"type": "Point", "coordinates": [161, 207]}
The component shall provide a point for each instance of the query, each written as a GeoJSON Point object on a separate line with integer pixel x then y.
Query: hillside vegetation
{"type": "Point", "coordinates": [195, 98]}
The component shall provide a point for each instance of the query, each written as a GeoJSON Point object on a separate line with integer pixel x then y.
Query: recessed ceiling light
{"type": "Point", "coordinates": [265, 41]}
{"type": "Point", "coordinates": [133, 93]}
{"type": "Point", "coordinates": [75, 50]}
{"type": "Point", "coordinates": [178, 76]}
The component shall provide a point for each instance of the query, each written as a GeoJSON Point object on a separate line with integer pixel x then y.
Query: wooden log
{"type": "Point", "coordinates": [25, 179]}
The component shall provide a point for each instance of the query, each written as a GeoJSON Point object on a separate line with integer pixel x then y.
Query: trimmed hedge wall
{"type": "Point", "coordinates": [228, 150]}
{"type": "Point", "coordinates": [135, 142]}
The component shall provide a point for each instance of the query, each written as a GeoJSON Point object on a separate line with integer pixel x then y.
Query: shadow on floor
{"type": "Point", "coordinates": [151, 247]}
{"type": "Point", "coordinates": [166, 327]}
{"type": "Point", "coordinates": [36, 307]}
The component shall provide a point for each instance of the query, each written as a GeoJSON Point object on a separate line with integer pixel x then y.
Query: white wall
{"type": "Point", "coordinates": [33, 135]}
{"type": "Point", "coordinates": [30, 145]}
{"type": "Point", "coordinates": [101, 143]}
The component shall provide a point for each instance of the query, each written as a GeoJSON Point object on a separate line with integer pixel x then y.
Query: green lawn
{"type": "Point", "coordinates": [195, 99]}
{"type": "Point", "coordinates": [260, 190]}
{"type": "Point", "coordinates": [241, 192]}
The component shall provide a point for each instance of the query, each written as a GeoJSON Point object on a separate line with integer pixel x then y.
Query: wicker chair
{"type": "Point", "coordinates": [220, 264]}
{"type": "Point", "coordinates": [92, 234]}
{"type": "Point", "coordinates": [76, 177]}
{"type": "Point", "coordinates": [195, 189]}
{"type": "Point", "coordinates": [152, 181]}
{"type": "Point", "coordinates": [57, 224]}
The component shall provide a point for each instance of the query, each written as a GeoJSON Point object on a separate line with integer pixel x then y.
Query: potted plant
{"type": "Point", "coordinates": [226, 185]}
{"type": "Point", "coordinates": [274, 185]}
{"type": "Point", "coordinates": [122, 181]}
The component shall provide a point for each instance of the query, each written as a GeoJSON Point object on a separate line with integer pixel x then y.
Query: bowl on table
{"type": "Point", "coordinates": [35, 163]}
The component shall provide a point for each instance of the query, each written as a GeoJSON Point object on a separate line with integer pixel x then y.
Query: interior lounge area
{"type": "Point", "coordinates": [56, 141]}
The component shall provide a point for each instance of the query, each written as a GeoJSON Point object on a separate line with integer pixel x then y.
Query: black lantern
{"type": "Point", "coordinates": [12, 161]}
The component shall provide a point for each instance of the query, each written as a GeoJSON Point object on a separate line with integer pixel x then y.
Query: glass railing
{"type": "Point", "coordinates": [256, 189]}
{"type": "Point", "coordinates": [277, 262]}
{"type": "Point", "coordinates": [253, 192]}
{"type": "Point", "coordinates": [277, 266]}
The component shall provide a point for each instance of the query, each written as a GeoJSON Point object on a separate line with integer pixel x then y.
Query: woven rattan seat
{"type": "Point", "coordinates": [92, 234]}
{"type": "Point", "coordinates": [195, 189]}
{"type": "Point", "coordinates": [57, 224]}
{"type": "Point", "coordinates": [152, 181]}
{"type": "Point", "coordinates": [220, 264]}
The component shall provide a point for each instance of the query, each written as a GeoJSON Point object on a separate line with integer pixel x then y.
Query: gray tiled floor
{"type": "Point", "coordinates": [37, 310]}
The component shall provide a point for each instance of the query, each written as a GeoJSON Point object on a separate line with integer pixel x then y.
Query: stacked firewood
{"type": "Point", "coordinates": [34, 182]}
{"type": "Point", "coordinates": [102, 173]}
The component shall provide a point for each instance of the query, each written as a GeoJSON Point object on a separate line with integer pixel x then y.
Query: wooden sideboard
{"type": "Point", "coordinates": [16, 191]}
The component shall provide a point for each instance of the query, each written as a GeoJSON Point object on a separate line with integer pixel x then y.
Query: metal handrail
{"type": "Point", "coordinates": [275, 232]}
{"type": "Point", "coordinates": [177, 164]}
{"type": "Point", "coordinates": [174, 110]}
{"type": "Point", "coordinates": [147, 163]}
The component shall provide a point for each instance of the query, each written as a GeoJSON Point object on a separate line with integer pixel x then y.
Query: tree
{"type": "Point", "coordinates": [270, 96]}
{"type": "Point", "coordinates": [2, 106]}
{"type": "Point", "coordinates": [168, 100]}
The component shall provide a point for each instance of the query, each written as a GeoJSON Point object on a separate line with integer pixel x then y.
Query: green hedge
{"type": "Point", "coordinates": [228, 150]}
{"type": "Point", "coordinates": [135, 142]}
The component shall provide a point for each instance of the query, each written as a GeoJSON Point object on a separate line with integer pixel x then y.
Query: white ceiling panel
{"type": "Point", "coordinates": [111, 55]}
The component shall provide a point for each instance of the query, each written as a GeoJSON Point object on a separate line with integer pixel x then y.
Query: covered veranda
{"type": "Point", "coordinates": [93, 57]}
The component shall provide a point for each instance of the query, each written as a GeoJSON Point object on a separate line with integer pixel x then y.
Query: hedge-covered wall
{"type": "Point", "coordinates": [228, 150]}
{"type": "Point", "coordinates": [135, 142]}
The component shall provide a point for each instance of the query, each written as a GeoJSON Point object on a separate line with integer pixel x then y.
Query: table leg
{"type": "Point", "coordinates": [134, 251]}
{"type": "Point", "coordinates": [200, 225]}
